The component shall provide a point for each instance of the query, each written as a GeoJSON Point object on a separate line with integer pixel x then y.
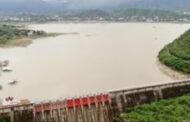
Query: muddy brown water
{"type": "Point", "coordinates": [102, 57]}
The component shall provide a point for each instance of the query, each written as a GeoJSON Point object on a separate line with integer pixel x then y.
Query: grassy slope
{"type": "Point", "coordinates": [177, 54]}
{"type": "Point", "coordinates": [170, 110]}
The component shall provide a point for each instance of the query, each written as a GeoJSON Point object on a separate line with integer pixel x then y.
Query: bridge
{"type": "Point", "coordinates": [105, 107]}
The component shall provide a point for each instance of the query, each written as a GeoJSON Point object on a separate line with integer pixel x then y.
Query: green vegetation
{"type": "Point", "coordinates": [4, 118]}
{"type": "Point", "coordinates": [18, 36]}
{"type": "Point", "coordinates": [169, 110]}
{"type": "Point", "coordinates": [177, 54]}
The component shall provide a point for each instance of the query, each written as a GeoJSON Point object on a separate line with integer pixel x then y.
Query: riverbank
{"type": "Point", "coordinates": [176, 55]}
{"type": "Point", "coordinates": [173, 74]}
{"type": "Point", "coordinates": [24, 42]}
{"type": "Point", "coordinates": [17, 35]}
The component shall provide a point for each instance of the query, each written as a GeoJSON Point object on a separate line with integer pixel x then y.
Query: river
{"type": "Point", "coordinates": [100, 58]}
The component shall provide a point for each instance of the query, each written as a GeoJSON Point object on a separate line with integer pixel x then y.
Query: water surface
{"type": "Point", "coordinates": [102, 57]}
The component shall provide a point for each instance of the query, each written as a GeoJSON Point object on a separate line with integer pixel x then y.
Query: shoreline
{"type": "Point", "coordinates": [173, 74]}
{"type": "Point", "coordinates": [26, 41]}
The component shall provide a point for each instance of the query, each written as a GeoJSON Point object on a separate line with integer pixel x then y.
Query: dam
{"type": "Point", "coordinates": [105, 107]}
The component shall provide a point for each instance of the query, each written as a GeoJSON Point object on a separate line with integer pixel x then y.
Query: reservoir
{"type": "Point", "coordinates": [89, 58]}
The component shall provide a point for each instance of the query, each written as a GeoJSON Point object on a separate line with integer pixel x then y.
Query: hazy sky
{"type": "Point", "coordinates": [68, 4]}
{"type": "Point", "coordinates": [90, 3]}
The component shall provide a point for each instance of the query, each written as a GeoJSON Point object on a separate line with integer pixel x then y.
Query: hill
{"type": "Point", "coordinates": [104, 10]}
{"type": "Point", "coordinates": [176, 5]}
{"type": "Point", "coordinates": [110, 4]}
{"type": "Point", "coordinates": [59, 5]}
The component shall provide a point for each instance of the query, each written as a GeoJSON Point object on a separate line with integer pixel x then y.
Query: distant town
{"type": "Point", "coordinates": [119, 15]}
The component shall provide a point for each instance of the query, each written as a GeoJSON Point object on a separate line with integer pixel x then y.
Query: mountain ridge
{"type": "Point", "coordinates": [59, 5]}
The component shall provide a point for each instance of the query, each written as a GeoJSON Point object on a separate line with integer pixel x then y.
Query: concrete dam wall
{"type": "Point", "coordinates": [97, 108]}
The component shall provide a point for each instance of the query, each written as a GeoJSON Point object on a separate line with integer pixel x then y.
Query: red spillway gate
{"type": "Point", "coordinates": [71, 103]}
